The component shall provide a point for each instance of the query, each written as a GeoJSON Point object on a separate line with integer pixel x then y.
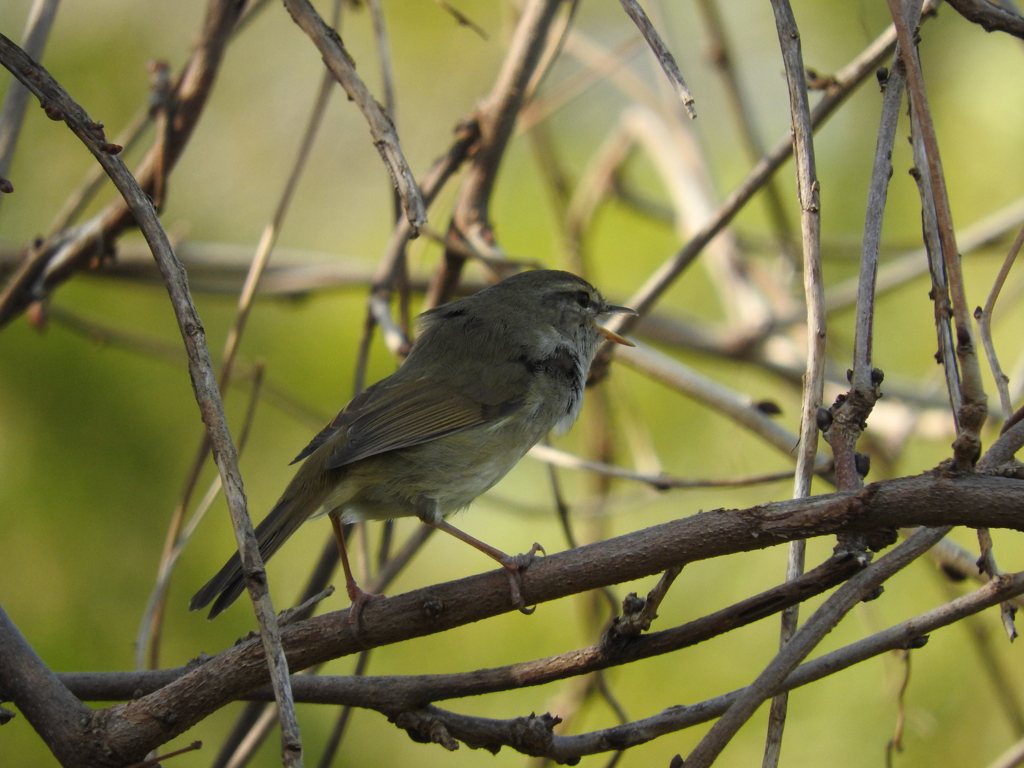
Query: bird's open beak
{"type": "Point", "coordinates": [612, 335]}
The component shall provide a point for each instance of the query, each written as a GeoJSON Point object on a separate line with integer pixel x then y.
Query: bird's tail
{"type": "Point", "coordinates": [283, 520]}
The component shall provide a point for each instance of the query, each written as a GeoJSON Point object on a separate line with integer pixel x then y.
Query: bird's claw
{"type": "Point", "coordinates": [513, 567]}
{"type": "Point", "coordinates": [359, 598]}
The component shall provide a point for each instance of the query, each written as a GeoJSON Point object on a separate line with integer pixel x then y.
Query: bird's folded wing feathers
{"type": "Point", "coordinates": [396, 415]}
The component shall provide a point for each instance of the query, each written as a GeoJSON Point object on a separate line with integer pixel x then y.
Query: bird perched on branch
{"type": "Point", "coordinates": [487, 378]}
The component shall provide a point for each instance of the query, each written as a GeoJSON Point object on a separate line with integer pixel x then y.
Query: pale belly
{"type": "Point", "coordinates": [430, 480]}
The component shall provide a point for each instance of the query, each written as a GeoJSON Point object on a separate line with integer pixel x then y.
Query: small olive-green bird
{"type": "Point", "coordinates": [487, 378]}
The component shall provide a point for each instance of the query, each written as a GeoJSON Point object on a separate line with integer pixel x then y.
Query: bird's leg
{"type": "Point", "coordinates": [358, 596]}
{"type": "Point", "coordinates": [512, 565]}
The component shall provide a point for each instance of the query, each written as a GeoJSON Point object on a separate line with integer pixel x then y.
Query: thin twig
{"type": "Point", "coordinates": [155, 761]}
{"type": "Point", "coordinates": [661, 481]}
{"type": "Point", "coordinates": [895, 744]}
{"type": "Point", "coordinates": [12, 114]}
{"type": "Point", "coordinates": [740, 409]}
{"type": "Point", "coordinates": [462, 19]}
{"type": "Point", "coordinates": [661, 53]}
{"type": "Point", "coordinates": [984, 318]}
{"type": "Point", "coordinates": [814, 378]}
{"type": "Point", "coordinates": [385, 138]}
{"type": "Point", "coordinates": [973, 410]}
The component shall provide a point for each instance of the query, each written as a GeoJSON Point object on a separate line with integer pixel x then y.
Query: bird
{"type": "Point", "coordinates": [487, 378]}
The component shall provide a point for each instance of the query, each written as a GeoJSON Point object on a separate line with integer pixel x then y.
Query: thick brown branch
{"type": "Point", "coordinates": [930, 499]}
{"type": "Point", "coordinates": [392, 694]}
{"type": "Point", "coordinates": [492, 734]}
{"type": "Point", "coordinates": [53, 711]}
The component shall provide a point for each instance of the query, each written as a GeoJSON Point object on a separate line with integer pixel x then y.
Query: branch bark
{"type": "Point", "coordinates": [933, 499]}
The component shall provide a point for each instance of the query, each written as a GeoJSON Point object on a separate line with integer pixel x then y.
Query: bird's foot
{"type": "Point", "coordinates": [514, 566]}
{"type": "Point", "coordinates": [359, 598]}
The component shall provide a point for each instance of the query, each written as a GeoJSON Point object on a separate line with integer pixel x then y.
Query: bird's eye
{"type": "Point", "coordinates": [583, 299]}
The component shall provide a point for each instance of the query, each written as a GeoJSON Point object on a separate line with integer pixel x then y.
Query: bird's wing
{"type": "Point", "coordinates": [398, 414]}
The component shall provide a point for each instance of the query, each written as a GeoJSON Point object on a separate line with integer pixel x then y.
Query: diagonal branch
{"type": "Point", "coordinates": [53, 711]}
{"type": "Point", "coordinates": [385, 138]}
{"type": "Point", "coordinates": [60, 105]}
{"type": "Point", "coordinates": [804, 641]}
{"type": "Point", "coordinates": [661, 52]}
{"type": "Point", "coordinates": [496, 119]}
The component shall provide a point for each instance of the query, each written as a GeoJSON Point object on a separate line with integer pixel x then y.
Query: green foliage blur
{"type": "Point", "coordinates": [96, 437]}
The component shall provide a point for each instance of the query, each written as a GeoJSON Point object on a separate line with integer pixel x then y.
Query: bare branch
{"type": "Point", "coordinates": [661, 53]}
{"type": "Point", "coordinates": [990, 17]}
{"type": "Point", "coordinates": [984, 318]}
{"type": "Point", "coordinates": [55, 260]}
{"type": "Point", "coordinates": [53, 711]}
{"type": "Point", "coordinates": [12, 114]}
{"type": "Point", "coordinates": [50, 94]}
{"type": "Point", "coordinates": [385, 138]}
{"type": "Point", "coordinates": [803, 642]}
{"type": "Point", "coordinates": [808, 193]}
{"type": "Point", "coordinates": [972, 412]}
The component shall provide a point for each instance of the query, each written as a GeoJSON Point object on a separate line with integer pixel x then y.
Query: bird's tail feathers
{"type": "Point", "coordinates": [229, 582]}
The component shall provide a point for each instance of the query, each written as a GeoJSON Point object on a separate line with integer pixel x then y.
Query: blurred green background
{"type": "Point", "coordinates": [96, 439]}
